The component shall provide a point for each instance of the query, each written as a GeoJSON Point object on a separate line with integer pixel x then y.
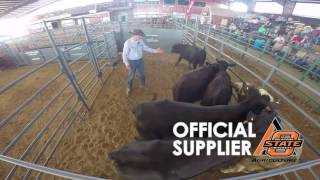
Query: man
{"type": "Point", "coordinates": [279, 42]}
{"type": "Point", "coordinates": [132, 56]}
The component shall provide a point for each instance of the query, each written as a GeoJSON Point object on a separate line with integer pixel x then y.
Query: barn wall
{"type": "Point", "coordinates": [168, 37]}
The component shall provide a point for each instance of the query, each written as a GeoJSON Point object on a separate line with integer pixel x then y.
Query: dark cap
{"type": "Point", "coordinates": [138, 32]}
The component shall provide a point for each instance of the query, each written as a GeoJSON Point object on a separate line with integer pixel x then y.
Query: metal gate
{"type": "Point", "coordinates": [81, 58]}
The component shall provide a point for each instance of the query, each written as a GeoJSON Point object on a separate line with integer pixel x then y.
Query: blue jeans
{"type": "Point", "coordinates": [134, 65]}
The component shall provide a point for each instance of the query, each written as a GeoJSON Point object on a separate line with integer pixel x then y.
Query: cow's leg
{"type": "Point", "coordinates": [178, 61]}
{"type": "Point", "coordinates": [194, 66]}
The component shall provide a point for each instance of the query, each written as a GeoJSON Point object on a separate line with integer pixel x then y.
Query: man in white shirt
{"type": "Point", "coordinates": [132, 56]}
{"type": "Point", "coordinates": [279, 42]}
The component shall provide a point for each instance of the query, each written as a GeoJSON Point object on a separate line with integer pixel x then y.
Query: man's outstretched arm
{"type": "Point", "coordinates": [151, 50]}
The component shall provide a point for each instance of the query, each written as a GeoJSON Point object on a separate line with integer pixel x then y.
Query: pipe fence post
{"type": "Point", "coordinates": [207, 37]}
{"type": "Point", "coordinates": [42, 55]}
{"type": "Point", "coordinates": [273, 70]}
{"type": "Point", "coordinates": [107, 48]}
{"type": "Point", "coordinates": [66, 69]}
{"type": "Point", "coordinates": [195, 35]}
{"type": "Point", "coordinates": [265, 48]}
{"type": "Point", "coordinates": [221, 50]}
{"type": "Point", "coordinates": [92, 55]}
{"type": "Point", "coordinates": [313, 65]}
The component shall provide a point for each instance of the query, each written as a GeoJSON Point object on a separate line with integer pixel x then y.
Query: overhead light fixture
{"type": "Point", "coordinates": [223, 6]}
{"type": "Point", "coordinates": [239, 7]}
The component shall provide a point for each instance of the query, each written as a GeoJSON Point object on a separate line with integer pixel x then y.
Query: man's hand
{"type": "Point", "coordinates": [128, 67]}
{"type": "Point", "coordinates": [159, 50]}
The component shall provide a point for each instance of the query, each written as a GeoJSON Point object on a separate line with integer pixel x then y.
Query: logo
{"type": "Point", "coordinates": [277, 142]}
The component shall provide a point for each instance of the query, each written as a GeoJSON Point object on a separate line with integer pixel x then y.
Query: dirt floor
{"type": "Point", "coordinates": [110, 122]}
{"type": "Point", "coordinates": [11, 99]}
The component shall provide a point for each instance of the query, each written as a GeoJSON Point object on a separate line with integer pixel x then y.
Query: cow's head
{"type": "Point", "coordinates": [223, 65]}
{"type": "Point", "coordinates": [242, 88]}
{"type": "Point", "coordinates": [176, 48]}
{"type": "Point", "coordinates": [257, 102]}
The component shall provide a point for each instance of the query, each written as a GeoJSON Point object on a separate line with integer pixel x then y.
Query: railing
{"type": "Point", "coordinates": [248, 39]}
{"type": "Point", "coordinates": [46, 115]}
{"type": "Point", "coordinates": [214, 43]}
{"type": "Point", "coordinates": [264, 54]}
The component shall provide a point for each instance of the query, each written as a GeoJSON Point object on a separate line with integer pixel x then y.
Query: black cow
{"type": "Point", "coordinates": [192, 86]}
{"type": "Point", "coordinates": [153, 160]}
{"type": "Point", "coordinates": [154, 120]}
{"type": "Point", "coordinates": [192, 54]}
{"type": "Point", "coordinates": [219, 90]}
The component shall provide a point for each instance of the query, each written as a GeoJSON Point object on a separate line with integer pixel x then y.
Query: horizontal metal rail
{"type": "Point", "coordinates": [59, 141]}
{"type": "Point", "coordinates": [36, 117]}
{"type": "Point", "coordinates": [37, 158]}
{"type": "Point", "coordinates": [262, 61]}
{"type": "Point", "coordinates": [91, 88]}
{"type": "Point", "coordinates": [278, 171]}
{"type": "Point", "coordinates": [55, 172]}
{"type": "Point", "coordinates": [315, 149]}
{"type": "Point", "coordinates": [86, 76]}
{"type": "Point", "coordinates": [27, 101]}
{"type": "Point", "coordinates": [72, 47]}
{"type": "Point", "coordinates": [264, 51]}
{"type": "Point", "coordinates": [103, 66]}
{"type": "Point", "coordinates": [40, 134]}
{"type": "Point", "coordinates": [313, 120]}
{"type": "Point", "coordinates": [22, 77]}
{"type": "Point", "coordinates": [63, 125]}
{"type": "Point", "coordinates": [78, 58]}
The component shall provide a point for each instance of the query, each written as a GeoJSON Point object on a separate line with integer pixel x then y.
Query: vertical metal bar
{"type": "Point", "coordinates": [221, 50]}
{"type": "Point", "coordinates": [16, 52]}
{"type": "Point", "coordinates": [195, 34]}
{"type": "Point", "coordinates": [313, 173]}
{"type": "Point", "coordinates": [42, 55]}
{"type": "Point", "coordinates": [207, 37]}
{"type": "Point", "coordinates": [186, 22]}
{"type": "Point", "coordinates": [273, 70]}
{"type": "Point", "coordinates": [297, 175]}
{"type": "Point", "coordinates": [265, 48]}
{"type": "Point", "coordinates": [313, 65]}
{"type": "Point", "coordinates": [92, 56]}
{"type": "Point", "coordinates": [285, 176]}
{"type": "Point", "coordinates": [282, 59]}
{"type": "Point", "coordinates": [106, 45]}
{"type": "Point", "coordinates": [66, 69]}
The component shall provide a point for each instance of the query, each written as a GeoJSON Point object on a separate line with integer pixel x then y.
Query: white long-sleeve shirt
{"type": "Point", "coordinates": [133, 50]}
